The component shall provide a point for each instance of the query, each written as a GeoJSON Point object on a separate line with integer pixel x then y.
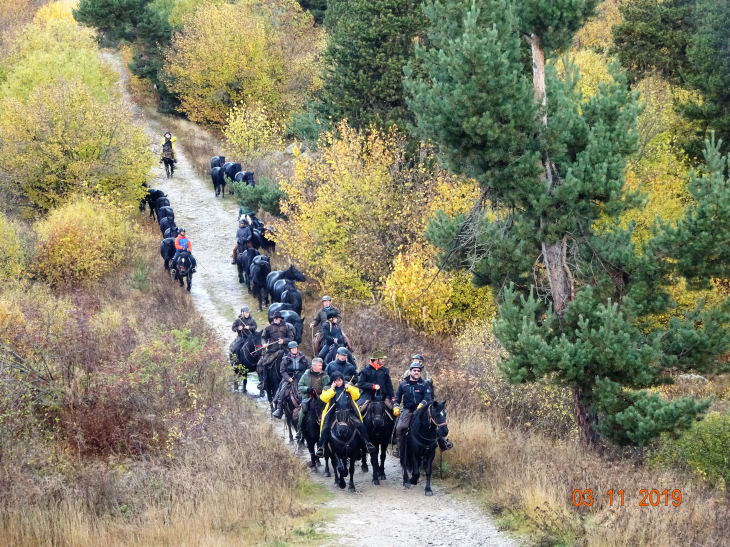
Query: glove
{"type": "Point", "coordinates": [420, 406]}
{"type": "Point", "coordinates": [310, 390]}
{"type": "Point", "coordinates": [396, 411]}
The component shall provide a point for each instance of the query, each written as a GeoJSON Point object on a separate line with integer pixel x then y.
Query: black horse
{"type": "Point", "coordinates": [293, 297]}
{"type": "Point", "coordinates": [278, 306]}
{"type": "Point", "coordinates": [427, 426]}
{"type": "Point", "coordinates": [245, 176]}
{"type": "Point", "coordinates": [230, 170]}
{"type": "Point", "coordinates": [260, 269]}
{"type": "Point", "coordinates": [267, 243]}
{"type": "Point", "coordinates": [169, 166]}
{"type": "Point", "coordinates": [172, 232]}
{"type": "Point", "coordinates": [290, 317]}
{"type": "Point", "coordinates": [345, 448]}
{"type": "Point", "coordinates": [151, 199]}
{"type": "Point", "coordinates": [273, 379]}
{"type": "Point", "coordinates": [379, 423]}
{"type": "Point", "coordinates": [166, 224]}
{"type": "Point", "coordinates": [219, 183]}
{"type": "Point", "coordinates": [310, 428]}
{"type": "Point", "coordinates": [244, 354]}
{"type": "Point", "coordinates": [217, 161]}
{"type": "Point", "coordinates": [244, 259]}
{"type": "Point", "coordinates": [290, 274]}
{"type": "Point", "coordinates": [291, 402]}
{"type": "Point", "coordinates": [184, 269]}
{"type": "Point", "coordinates": [167, 250]}
{"type": "Point", "coordinates": [165, 212]}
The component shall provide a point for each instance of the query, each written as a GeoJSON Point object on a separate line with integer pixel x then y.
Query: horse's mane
{"type": "Point", "coordinates": [419, 418]}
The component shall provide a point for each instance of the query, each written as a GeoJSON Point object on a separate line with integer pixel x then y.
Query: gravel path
{"type": "Point", "coordinates": [387, 515]}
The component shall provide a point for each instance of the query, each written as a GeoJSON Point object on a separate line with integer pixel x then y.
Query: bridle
{"type": "Point", "coordinates": [429, 443]}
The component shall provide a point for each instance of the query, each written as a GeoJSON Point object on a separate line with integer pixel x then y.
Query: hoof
{"type": "Point", "coordinates": [326, 474]}
{"type": "Point", "coordinates": [429, 492]}
{"type": "Point", "coordinates": [406, 484]}
{"type": "Point", "coordinates": [414, 480]}
{"type": "Point", "coordinates": [382, 477]}
{"type": "Point", "coordinates": [365, 468]}
{"type": "Point", "coordinates": [351, 489]}
{"type": "Point", "coordinates": [342, 484]}
{"type": "Point", "coordinates": [376, 482]}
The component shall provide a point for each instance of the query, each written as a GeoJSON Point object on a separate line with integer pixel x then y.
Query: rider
{"type": "Point", "coordinates": [413, 393]}
{"type": "Point", "coordinates": [331, 333]}
{"type": "Point", "coordinates": [375, 377]}
{"type": "Point", "coordinates": [341, 396]}
{"type": "Point", "coordinates": [343, 366]}
{"type": "Point", "coordinates": [182, 243]}
{"type": "Point", "coordinates": [425, 376]}
{"type": "Point", "coordinates": [322, 314]}
{"type": "Point", "coordinates": [291, 369]}
{"type": "Point", "coordinates": [312, 384]}
{"type": "Point", "coordinates": [274, 337]}
{"type": "Point", "coordinates": [168, 149]}
{"type": "Point", "coordinates": [244, 235]}
{"type": "Point", "coordinates": [244, 323]}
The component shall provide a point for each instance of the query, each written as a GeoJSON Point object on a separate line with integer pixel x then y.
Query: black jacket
{"type": "Point", "coordinates": [293, 366]}
{"type": "Point", "coordinates": [347, 369]}
{"type": "Point", "coordinates": [243, 234]}
{"type": "Point", "coordinates": [411, 394]}
{"type": "Point", "coordinates": [244, 322]}
{"type": "Point", "coordinates": [273, 332]}
{"type": "Point", "coordinates": [370, 376]}
{"type": "Point", "coordinates": [331, 331]}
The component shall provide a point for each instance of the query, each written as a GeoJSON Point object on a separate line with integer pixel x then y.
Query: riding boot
{"type": "Point", "coordinates": [364, 434]}
{"type": "Point", "coordinates": [279, 408]}
{"type": "Point", "coordinates": [323, 438]}
{"type": "Point", "coordinates": [260, 373]}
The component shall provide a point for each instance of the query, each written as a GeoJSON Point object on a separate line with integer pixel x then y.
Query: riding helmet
{"type": "Point", "coordinates": [335, 375]}
{"type": "Point", "coordinates": [342, 351]}
{"type": "Point", "coordinates": [418, 357]}
{"type": "Point", "coordinates": [293, 344]}
{"type": "Point", "coordinates": [331, 314]}
{"type": "Point", "coordinates": [415, 364]}
{"type": "Point", "coordinates": [245, 309]}
{"type": "Point", "coordinates": [277, 314]}
{"type": "Point", "coordinates": [180, 230]}
{"type": "Point", "coordinates": [325, 297]}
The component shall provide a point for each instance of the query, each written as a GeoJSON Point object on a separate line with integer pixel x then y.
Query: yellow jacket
{"type": "Point", "coordinates": [174, 151]}
{"type": "Point", "coordinates": [329, 393]}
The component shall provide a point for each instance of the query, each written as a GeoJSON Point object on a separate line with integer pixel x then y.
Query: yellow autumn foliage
{"type": "Point", "coordinates": [83, 240]}
{"type": "Point", "coordinates": [251, 131]}
{"type": "Point", "coordinates": [61, 10]}
{"type": "Point", "coordinates": [245, 52]}
{"type": "Point", "coordinates": [12, 250]}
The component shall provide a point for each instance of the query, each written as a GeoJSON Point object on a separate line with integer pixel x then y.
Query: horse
{"type": "Point", "coordinates": [260, 268]}
{"type": "Point", "coordinates": [380, 423]}
{"type": "Point", "coordinates": [291, 404]}
{"type": "Point", "coordinates": [230, 170]}
{"type": "Point", "coordinates": [150, 199]}
{"type": "Point", "coordinates": [255, 238]}
{"type": "Point", "coordinates": [291, 274]}
{"type": "Point", "coordinates": [165, 212]}
{"type": "Point", "coordinates": [310, 428]}
{"type": "Point", "coordinates": [172, 232]}
{"type": "Point", "coordinates": [291, 317]}
{"type": "Point", "coordinates": [169, 166]}
{"type": "Point", "coordinates": [427, 426]}
{"type": "Point", "coordinates": [244, 258]}
{"type": "Point", "coordinates": [167, 250]}
{"type": "Point", "coordinates": [166, 224]}
{"type": "Point", "coordinates": [219, 183]}
{"type": "Point", "coordinates": [243, 356]}
{"type": "Point", "coordinates": [345, 448]}
{"type": "Point", "coordinates": [273, 378]}
{"type": "Point", "coordinates": [288, 294]}
{"type": "Point", "coordinates": [245, 176]}
{"type": "Point", "coordinates": [217, 161]}
{"type": "Point", "coordinates": [162, 201]}
{"type": "Point", "coordinates": [184, 269]}
{"type": "Point", "coordinates": [267, 244]}
{"type": "Point", "coordinates": [278, 306]}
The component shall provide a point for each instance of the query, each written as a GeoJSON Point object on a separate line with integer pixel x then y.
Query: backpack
{"type": "Point", "coordinates": [167, 150]}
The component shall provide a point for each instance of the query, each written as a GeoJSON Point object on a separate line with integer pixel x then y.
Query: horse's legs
{"type": "Point", "coordinates": [223, 191]}
{"type": "Point", "coordinates": [365, 461]}
{"type": "Point", "coordinates": [429, 466]}
{"type": "Point", "coordinates": [381, 470]}
{"type": "Point", "coordinates": [190, 281]}
{"type": "Point", "coordinates": [404, 465]}
{"type": "Point", "coordinates": [351, 488]}
{"type": "Point", "coordinates": [374, 462]}
{"type": "Point", "coordinates": [167, 264]}
{"type": "Point", "coordinates": [327, 463]}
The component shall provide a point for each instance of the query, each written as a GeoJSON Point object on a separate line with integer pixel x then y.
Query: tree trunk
{"type": "Point", "coordinates": [584, 418]}
{"type": "Point", "coordinates": [554, 254]}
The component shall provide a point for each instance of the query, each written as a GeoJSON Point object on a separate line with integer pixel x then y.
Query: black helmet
{"type": "Point", "coordinates": [335, 375]}
{"type": "Point", "coordinates": [277, 314]}
{"type": "Point", "coordinates": [342, 351]}
{"type": "Point", "coordinates": [180, 230]}
{"type": "Point", "coordinates": [418, 356]}
{"type": "Point", "coordinates": [415, 364]}
{"type": "Point", "coordinates": [293, 344]}
{"type": "Point", "coordinates": [331, 314]}
{"type": "Point", "coordinates": [245, 309]}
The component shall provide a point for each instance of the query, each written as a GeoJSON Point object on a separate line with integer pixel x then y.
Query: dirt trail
{"type": "Point", "coordinates": [387, 515]}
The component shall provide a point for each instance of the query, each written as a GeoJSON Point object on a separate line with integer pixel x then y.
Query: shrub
{"type": "Point", "coordinates": [12, 250]}
{"type": "Point", "coordinates": [265, 195]}
{"type": "Point", "coordinates": [705, 448]}
{"type": "Point", "coordinates": [82, 241]}
{"type": "Point", "coordinates": [250, 131]}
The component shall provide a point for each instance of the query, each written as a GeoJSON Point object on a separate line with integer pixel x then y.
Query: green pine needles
{"type": "Point", "coordinates": [578, 295]}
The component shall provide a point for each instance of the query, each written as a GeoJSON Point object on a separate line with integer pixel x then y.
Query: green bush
{"type": "Point", "coordinates": [264, 195]}
{"type": "Point", "coordinates": [705, 448]}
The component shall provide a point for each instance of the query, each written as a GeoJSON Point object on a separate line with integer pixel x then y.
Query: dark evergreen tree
{"type": "Point", "coordinates": [687, 42]}
{"type": "Point", "coordinates": [371, 43]}
{"type": "Point", "coordinates": [137, 22]}
{"type": "Point", "coordinates": [578, 296]}
{"type": "Point", "coordinates": [318, 9]}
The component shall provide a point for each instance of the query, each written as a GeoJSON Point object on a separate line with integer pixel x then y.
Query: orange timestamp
{"type": "Point", "coordinates": [649, 498]}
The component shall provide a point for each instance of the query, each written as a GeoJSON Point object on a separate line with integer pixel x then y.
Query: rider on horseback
{"type": "Point", "coordinates": [322, 314]}
{"type": "Point", "coordinates": [312, 384]}
{"type": "Point", "coordinates": [341, 396]}
{"type": "Point", "coordinates": [331, 333]}
{"type": "Point", "coordinates": [244, 323]}
{"type": "Point", "coordinates": [275, 336]}
{"type": "Point", "coordinates": [182, 243]}
{"type": "Point", "coordinates": [374, 378]}
{"type": "Point", "coordinates": [413, 393]}
{"type": "Point", "coordinates": [243, 235]}
{"type": "Point", "coordinates": [292, 368]}
{"type": "Point", "coordinates": [343, 366]}
{"type": "Point", "coordinates": [425, 376]}
{"type": "Point", "coordinates": [169, 154]}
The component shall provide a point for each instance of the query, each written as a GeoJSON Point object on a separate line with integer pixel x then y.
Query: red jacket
{"type": "Point", "coordinates": [183, 244]}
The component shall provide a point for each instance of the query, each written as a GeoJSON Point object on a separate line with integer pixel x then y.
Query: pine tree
{"type": "Point", "coordinates": [371, 43]}
{"type": "Point", "coordinates": [578, 295]}
{"type": "Point", "coordinates": [687, 42]}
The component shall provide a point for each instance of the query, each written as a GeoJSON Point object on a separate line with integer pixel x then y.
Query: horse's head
{"type": "Point", "coordinates": [294, 274]}
{"type": "Point", "coordinates": [377, 413]}
{"type": "Point", "coordinates": [184, 263]}
{"type": "Point", "coordinates": [342, 424]}
{"type": "Point", "coordinates": [437, 417]}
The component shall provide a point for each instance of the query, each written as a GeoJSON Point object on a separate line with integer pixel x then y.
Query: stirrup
{"type": "Point", "coordinates": [396, 453]}
{"type": "Point", "coordinates": [260, 386]}
{"type": "Point", "coordinates": [320, 452]}
{"type": "Point", "coordinates": [370, 447]}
